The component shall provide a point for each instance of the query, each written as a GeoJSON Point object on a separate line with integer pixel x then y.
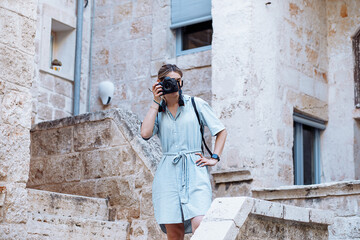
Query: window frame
{"type": "Point", "coordinates": [298, 158]}
{"type": "Point", "coordinates": [356, 50]}
{"type": "Point", "coordinates": [179, 43]}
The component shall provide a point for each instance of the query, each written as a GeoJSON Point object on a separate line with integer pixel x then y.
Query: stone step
{"type": "Point", "coordinates": [41, 226]}
{"type": "Point", "coordinates": [66, 205]}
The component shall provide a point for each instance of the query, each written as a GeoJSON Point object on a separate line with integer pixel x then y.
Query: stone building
{"type": "Point", "coordinates": [283, 76]}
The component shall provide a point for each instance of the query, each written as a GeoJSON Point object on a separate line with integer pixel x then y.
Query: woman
{"type": "Point", "coordinates": [181, 188]}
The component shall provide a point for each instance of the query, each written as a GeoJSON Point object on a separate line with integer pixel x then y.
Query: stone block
{"type": "Point", "coordinates": [216, 230]}
{"type": "Point", "coordinates": [52, 141]}
{"type": "Point", "coordinates": [72, 167]}
{"type": "Point", "coordinates": [143, 8]}
{"type": "Point", "coordinates": [61, 114]}
{"type": "Point", "coordinates": [16, 107]}
{"type": "Point", "coordinates": [98, 134]}
{"type": "Point", "coordinates": [119, 161]}
{"type": "Point", "coordinates": [16, 203]}
{"type": "Point", "coordinates": [236, 209]}
{"type": "Point", "coordinates": [44, 112]}
{"type": "Point", "coordinates": [119, 192]}
{"type": "Point", "coordinates": [9, 34]}
{"type": "Point", "coordinates": [140, 27]}
{"type": "Point", "coordinates": [47, 81]}
{"type": "Point", "coordinates": [66, 205]}
{"type": "Point", "coordinates": [139, 230]}
{"type": "Point", "coordinates": [63, 87]}
{"type": "Point", "coordinates": [321, 216]}
{"type": "Point", "coordinates": [57, 101]}
{"type": "Point", "coordinates": [17, 66]}
{"type": "Point", "coordinates": [36, 175]}
{"type": "Point", "coordinates": [269, 209]}
{"type": "Point", "coordinates": [296, 213]}
{"type": "Point", "coordinates": [27, 36]}
{"type": "Point", "coordinates": [13, 231]}
{"type": "Point", "coordinates": [231, 175]}
{"type": "Point", "coordinates": [122, 12]}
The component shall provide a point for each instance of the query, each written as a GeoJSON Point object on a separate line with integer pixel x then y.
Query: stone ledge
{"type": "Point", "coordinates": [232, 213]}
{"type": "Point", "coordinates": [2, 195]}
{"type": "Point", "coordinates": [232, 175]}
{"type": "Point", "coordinates": [308, 191]}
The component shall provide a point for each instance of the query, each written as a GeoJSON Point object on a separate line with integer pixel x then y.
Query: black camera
{"type": "Point", "coordinates": [169, 85]}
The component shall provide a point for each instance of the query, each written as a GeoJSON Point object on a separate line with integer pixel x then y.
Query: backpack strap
{"type": "Point", "coordinates": [201, 128]}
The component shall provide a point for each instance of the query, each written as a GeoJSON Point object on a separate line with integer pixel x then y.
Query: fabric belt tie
{"type": "Point", "coordinates": [182, 156]}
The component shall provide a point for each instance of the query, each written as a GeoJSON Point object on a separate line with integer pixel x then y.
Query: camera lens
{"type": "Point", "coordinates": [167, 85]}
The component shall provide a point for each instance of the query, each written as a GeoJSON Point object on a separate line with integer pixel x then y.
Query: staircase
{"type": "Point", "coordinates": [63, 216]}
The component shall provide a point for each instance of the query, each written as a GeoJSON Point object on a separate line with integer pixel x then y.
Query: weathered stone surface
{"type": "Point", "coordinates": [119, 161]}
{"type": "Point", "coordinates": [235, 209]}
{"type": "Point", "coordinates": [296, 213]}
{"type": "Point", "coordinates": [57, 227]}
{"type": "Point", "coordinates": [16, 203]}
{"type": "Point", "coordinates": [95, 135]}
{"type": "Point", "coordinates": [214, 230]}
{"type": "Point", "coordinates": [64, 205]}
{"type": "Point", "coordinates": [224, 176]}
{"type": "Point", "coordinates": [268, 209]}
{"type": "Point", "coordinates": [54, 141]}
{"type": "Point", "coordinates": [259, 227]}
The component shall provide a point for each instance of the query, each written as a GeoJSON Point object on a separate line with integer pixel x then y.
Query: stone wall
{"type": "Point", "coordinates": [283, 57]}
{"type": "Point", "coordinates": [343, 21]}
{"type": "Point", "coordinates": [248, 218]}
{"type": "Point", "coordinates": [342, 198]}
{"type": "Point", "coordinates": [17, 49]}
{"type": "Point", "coordinates": [99, 155]}
{"type": "Point", "coordinates": [53, 91]}
{"type": "Point", "coordinates": [132, 40]}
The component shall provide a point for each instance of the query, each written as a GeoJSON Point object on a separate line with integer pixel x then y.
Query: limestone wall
{"type": "Point", "coordinates": [99, 155]}
{"type": "Point", "coordinates": [17, 49]}
{"type": "Point", "coordinates": [53, 91]}
{"type": "Point", "coordinates": [343, 21]}
{"type": "Point", "coordinates": [132, 40]}
{"type": "Point", "coordinates": [282, 57]}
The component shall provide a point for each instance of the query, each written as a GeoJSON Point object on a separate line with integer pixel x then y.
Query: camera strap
{"type": "Point", "coordinates": [201, 128]}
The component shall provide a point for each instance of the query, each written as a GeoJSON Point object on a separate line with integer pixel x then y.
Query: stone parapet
{"type": "Point", "coordinates": [309, 191]}
{"type": "Point", "coordinates": [343, 198]}
{"type": "Point", "coordinates": [99, 155]}
{"type": "Point", "coordinates": [248, 218]}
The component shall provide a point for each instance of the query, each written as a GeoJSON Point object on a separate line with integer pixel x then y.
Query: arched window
{"type": "Point", "coordinates": [356, 47]}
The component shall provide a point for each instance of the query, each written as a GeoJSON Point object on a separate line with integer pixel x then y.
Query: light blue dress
{"type": "Point", "coordinates": [181, 190]}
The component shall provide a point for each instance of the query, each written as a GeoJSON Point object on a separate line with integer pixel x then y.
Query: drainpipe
{"type": "Point", "coordinates": [79, 27]}
{"type": "Point", "coordinates": [90, 55]}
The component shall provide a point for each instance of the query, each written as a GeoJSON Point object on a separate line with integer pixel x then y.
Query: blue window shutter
{"type": "Point", "coordinates": [188, 12]}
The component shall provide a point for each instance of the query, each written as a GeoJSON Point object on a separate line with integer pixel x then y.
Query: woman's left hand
{"type": "Point", "coordinates": [203, 161]}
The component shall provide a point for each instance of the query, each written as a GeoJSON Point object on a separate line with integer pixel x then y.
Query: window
{"type": "Point", "coordinates": [192, 21]}
{"type": "Point", "coordinates": [356, 47]}
{"type": "Point", "coordinates": [58, 37]}
{"type": "Point", "coordinates": [306, 150]}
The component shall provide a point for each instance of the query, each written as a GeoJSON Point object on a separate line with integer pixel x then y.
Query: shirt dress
{"type": "Point", "coordinates": [181, 190]}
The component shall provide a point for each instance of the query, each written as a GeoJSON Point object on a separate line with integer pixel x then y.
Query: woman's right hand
{"type": "Point", "coordinates": [157, 91]}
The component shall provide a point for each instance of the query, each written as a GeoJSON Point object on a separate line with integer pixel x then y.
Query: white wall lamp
{"type": "Point", "coordinates": [106, 92]}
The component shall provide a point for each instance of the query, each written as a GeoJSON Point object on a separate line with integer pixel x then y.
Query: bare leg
{"type": "Point", "coordinates": [195, 222]}
{"type": "Point", "coordinates": [175, 231]}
